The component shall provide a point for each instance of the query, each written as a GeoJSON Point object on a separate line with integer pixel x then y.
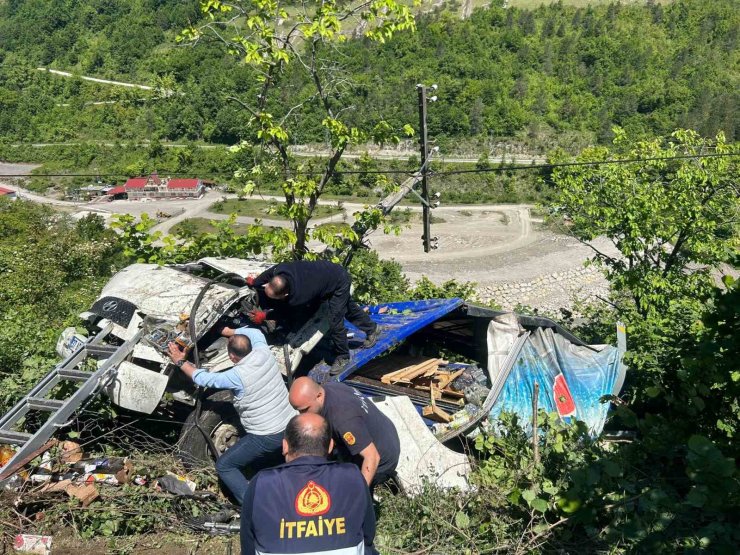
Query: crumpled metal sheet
{"type": "Point", "coordinates": [423, 458]}
{"type": "Point", "coordinates": [166, 293]}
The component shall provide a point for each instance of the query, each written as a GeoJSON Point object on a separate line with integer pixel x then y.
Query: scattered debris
{"type": "Point", "coordinates": [176, 484]}
{"type": "Point", "coordinates": [71, 452]}
{"type": "Point", "coordinates": [86, 493]}
{"type": "Point", "coordinates": [28, 543]}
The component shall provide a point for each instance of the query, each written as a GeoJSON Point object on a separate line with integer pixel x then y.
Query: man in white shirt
{"type": "Point", "coordinates": [260, 399]}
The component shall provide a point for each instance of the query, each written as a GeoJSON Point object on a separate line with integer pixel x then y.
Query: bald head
{"type": "Point", "coordinates": [307, 435]}
{"type": "Point", "coordinates": [238, 347]}
{"type": "Point", "coordinates": [277, 288]}
{"type": "Point", "coordinates": [306, 395]}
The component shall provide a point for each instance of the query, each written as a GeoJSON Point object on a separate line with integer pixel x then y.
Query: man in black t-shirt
{"type": "Point", "coordinates": [294, 291]}
{"type": "Point", "coordinates": [361, 432]}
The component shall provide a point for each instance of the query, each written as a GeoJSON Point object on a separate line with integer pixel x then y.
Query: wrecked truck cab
{"type": "Point", "coordinates": [152, 305]}
{"type": "Point", "coordinates": [159, 300]}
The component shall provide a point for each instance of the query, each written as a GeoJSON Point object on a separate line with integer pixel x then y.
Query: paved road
{"type": "Point", "coordinates": [96, 80]}
{"type": "Point", "coordinates": [303, 151]}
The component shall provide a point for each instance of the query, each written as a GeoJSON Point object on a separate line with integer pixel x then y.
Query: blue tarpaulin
{"type": "Point", "coordinates": [572, 379]}
{"type": "Point", "coordinates": [397, 321]}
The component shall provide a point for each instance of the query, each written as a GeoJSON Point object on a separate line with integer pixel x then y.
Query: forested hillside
{"type": "Point", "coordinates": [554, 76]}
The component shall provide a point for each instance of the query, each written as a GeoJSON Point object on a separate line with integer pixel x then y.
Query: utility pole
{"type": "Point", "coordinates": [423, 143]}
{"type": "Point", "coordinates": [388, 203]}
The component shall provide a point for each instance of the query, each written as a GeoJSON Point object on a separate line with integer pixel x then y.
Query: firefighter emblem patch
{"type": "Point", "coordinates": [349, 438]}
{"type": "Point", "coordinates": [312, 500]}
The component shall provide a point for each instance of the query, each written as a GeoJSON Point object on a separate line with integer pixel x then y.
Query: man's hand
{"type": "Point", "coordinates": [175, 352]}
{"type": "Point", "coordinates": [250, 280]}
{"type": "Point", "coordinates": [177, 355]}
{"type": "Point", "coordinates": [227, 331]}
{"type": "Point", "coordinates": [257, 316]}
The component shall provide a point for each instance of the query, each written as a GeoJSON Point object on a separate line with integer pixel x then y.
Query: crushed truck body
{"type": "Point", "coordinates": [439, 368]}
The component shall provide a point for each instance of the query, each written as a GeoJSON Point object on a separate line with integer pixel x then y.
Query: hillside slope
{"type": "Point", "coordinates": [553, 76]}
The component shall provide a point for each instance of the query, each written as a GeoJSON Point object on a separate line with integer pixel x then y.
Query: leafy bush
{"type": "Point", "coordinates": [52, 268]}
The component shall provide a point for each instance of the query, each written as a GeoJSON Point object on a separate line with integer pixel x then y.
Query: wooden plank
{"type": "Point", "coordinates": [435, 413]}
{"type": "Point", "coordinates": [447, 380]}
{"type": "Point", "coordinates": [386, 378]}
{"type": "Point", "coordinates": [434, 370]}
{"type": "Point", "coordinates": [417, 370]}
{"type": "Point", "coordinates": [450, 392]}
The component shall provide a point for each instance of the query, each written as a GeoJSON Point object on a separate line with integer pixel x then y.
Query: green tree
{"type": "Point", "coordinates": [255, 32]}
{"type": "Point", "coordinates": [671, 218]}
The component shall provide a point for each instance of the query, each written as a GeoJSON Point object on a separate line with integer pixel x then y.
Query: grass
{"type": "Point", "coordinates": [255, 208]}
{"type": "Point", "coordinates": [198, 226]}
{"type": "Point", "coordinates": [336, 227]}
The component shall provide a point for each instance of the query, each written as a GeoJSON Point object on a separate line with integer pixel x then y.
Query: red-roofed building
{"type": "Point", "coordinates": [155, 187]}
{"type": "Point", "coordinates": [7, 193]}
{"type": "Point", "coordinates": [118, 191]}
{"type": "Point", "coordinates": [136, 183]}
{"type": "Point", "coordinates": [183, 184]}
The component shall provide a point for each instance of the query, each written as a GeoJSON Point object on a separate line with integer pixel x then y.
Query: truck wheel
{"type": "Point", "coordinates": [219, 420]}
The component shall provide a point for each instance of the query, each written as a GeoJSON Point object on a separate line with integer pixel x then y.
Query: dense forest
{"type": "Point", "coordinates": [557, 76]}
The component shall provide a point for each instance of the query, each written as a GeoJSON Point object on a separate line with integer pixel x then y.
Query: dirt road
{"type": "Point", "coordinates": [500, 247]}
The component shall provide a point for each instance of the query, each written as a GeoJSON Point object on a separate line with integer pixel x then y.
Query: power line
{"type": "Point", "coordinates": [594, 163]}
{"type": "Point", "coordinates": [204, 174]}
{"type": "Point", "coordinates": [411, 172]}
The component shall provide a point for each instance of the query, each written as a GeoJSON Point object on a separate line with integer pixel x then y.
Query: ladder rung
{"type": "Point", "coordinates": [40, 403]}
{"type": "Point", "coordinates": [14, 438]}
{"type": "Point", "coordinates": [74, 375]}
{"type": "Point", "coordinates": [101, 350]}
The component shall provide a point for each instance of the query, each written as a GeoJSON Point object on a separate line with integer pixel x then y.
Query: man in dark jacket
{"type": "Point", "coordinates": [308, 505]}
{"type": "Point", "coordinates": [362, 433]}
{"type": "Point", "coordinates": [295, 289]}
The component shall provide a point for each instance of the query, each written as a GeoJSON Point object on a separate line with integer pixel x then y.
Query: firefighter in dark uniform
{"type": "Point", "coordinates": [295, 290]}
{"type": "Point", "coordinates": [361, 432]}
{"type": "Point", "coordinates": [308, 504]}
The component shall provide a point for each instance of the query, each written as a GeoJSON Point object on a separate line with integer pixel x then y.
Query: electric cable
{"type": "Point", "coordinates": [499, 168]}
{"type": "Point", "coordinates": [196, 358]}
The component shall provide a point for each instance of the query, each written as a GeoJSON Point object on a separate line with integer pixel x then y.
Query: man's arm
{"type": "Point", "coordinates": [228, 379]}
{"type": "Point", "coordinates": [358, 440]}
{"type": "Point", "coordinates": [370, 462]}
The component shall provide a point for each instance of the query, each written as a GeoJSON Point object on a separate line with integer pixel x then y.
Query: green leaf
{"type": "Point", "coordinates": [568, 505]}
{"type": "Point", "coordinates": [539, 505]}
{"type": "Point", "coordinates": [652, 391]}
{"type": "Point", "coordinates": [462, 520]}
{"type": "Point", "coordinates": [529, 495]}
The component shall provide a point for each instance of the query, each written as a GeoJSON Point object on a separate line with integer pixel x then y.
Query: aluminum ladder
{"type": "Point", "coordinates": [61, 410]}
